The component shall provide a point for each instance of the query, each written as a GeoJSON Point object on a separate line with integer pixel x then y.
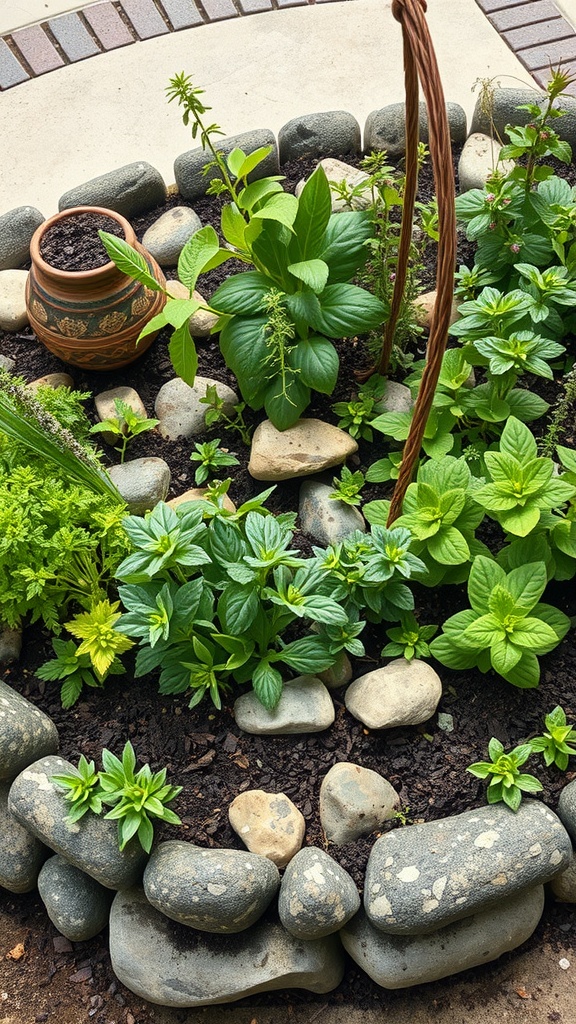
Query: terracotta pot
{"type": "Point", "coordinates": [91, 318]}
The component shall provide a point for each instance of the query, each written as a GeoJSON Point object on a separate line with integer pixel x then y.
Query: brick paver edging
{"type": "Point", "coordinates": [535, 31]}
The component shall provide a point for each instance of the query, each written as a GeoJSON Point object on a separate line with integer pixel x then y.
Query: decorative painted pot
{"type": "Point", "coordinates": [91, 318]}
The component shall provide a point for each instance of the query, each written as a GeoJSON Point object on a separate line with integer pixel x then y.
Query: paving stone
{"type": "Point", "coordinates": [188, 167]}
{"type": "Point", "coordinates": [37, 49]}
{"type": "Point", "coordinates": [399, 961]}
{"type": "Point", "coordinates": [11, 70]}
{"type": "Point", "coordinates": [182, 13]}
{"type": "Point", "coordinates": [26, 733]}
{"type": "Point", "coordinates": [219, 891]}
{"type": "Point", "coordinates": [354, 801]}
{"type": "Point", "coordinates": [510, 17]}
{"type": "Point", "coordinates": [531, 35]}
{"type": "Point", "coordinates": [400, 693]}
{"type": "Point", "coordinates": [21, 854]}
{"type": "Point", "coordinates": [317, 896]}
{"type": "Point", "coordinates": [255, 6]}
{"type": "Point", "coordinates": [90, 844]}
{"type": "Point", "coordinates": [107, 25]}
{"type": "Point", "coordinates": [548, 55]}
{"type": "Point", "coordinates": [129, 190]}
{"type": "Point", "coordinates": [385, 128]}
{"type": "Point", "coordinates": [495, 5]}
{"type": "Point", "coordinates": [423, 877]}
{"type": "Point", "coordinates": [145, 945]}
{"type": "Point", "coordinates": [330, 133]}
{"type": "Point", "coordinates": [16, 229]}
{"type": "Point", "coordinates": [292, 3]}
{"type": "Point", "coordinates": [141, 482]}
{"type": "Point", "coordinates": [305, 706]}
{"type": "Point", "coordinates": [217, 10]}
{"type": "Point", "coordinates": [77, 905]}
{"type": "Point", "coordinates": [268, 824]}
{"type": "Point", "coordinates": [73, 36]}
{"type": "Point", "coordinates": [145, 18]}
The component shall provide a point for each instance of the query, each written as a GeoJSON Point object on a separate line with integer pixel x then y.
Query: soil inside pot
{"type": "Point", "coordinates": [73, 243]}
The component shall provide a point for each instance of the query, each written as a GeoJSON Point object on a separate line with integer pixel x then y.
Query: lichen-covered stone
{"type": "Point", "coordinates": [222, 891]}
{"type": "Point", "coordinates": [21, 854]}
{"type": "Point", "coordinates": [77, 905]}
{"type": "Point", "coordinates": [268, 824]}
{"type": "Point", "coordinates": [423, 877]}
{"type": "Point", "coordinates": [354, 801]}
{"type": "Point", "coordinates": [90, 844]}
{"type": "Point", "coordinates": [175, 966]}
{"type": "Point", "coordinates": [399, 961]}
{"type": "Point", "coordinates": [317, 896]}
{"type": "Point", "coordinates": [26, 733]}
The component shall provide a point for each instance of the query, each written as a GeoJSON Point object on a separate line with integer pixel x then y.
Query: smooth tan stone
{"type": "Point", "coordinates": [308, 447]}
{"type": "Point", "coordinates": [268, 824]}
{"type": "Point", "coordinates": [13, 312]}
{"type": "Point", "coordinates": [52, 380]}
{"type": "Point", "coordinates": [194, 494]}
{"type": "Point", "coordinates": [106, 409]}
{"type": "Point", "coordinates": [401, 693]}
{"type": "Point", "coordinates": [479, 160]}
{"type": "Point", "coordinates": [426, 303]}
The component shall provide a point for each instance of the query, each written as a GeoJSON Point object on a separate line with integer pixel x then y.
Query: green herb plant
{"type": "Point", "coordinates": [507, 782]}
{"type": "Point", "coordinates": [554, 743]}
{"type": "Point", "coordinates": [210, 458]}
{"type": "Point", "coordinates": [82, 787]}
{"type": "Point", "coordinates": [124, 426]}
{"type": "Point", "coordinates": [217, 413]}
{"type": "Point", "coordinates": [348, 486]}
{"type": "Point", "coordinates": [409, 640]}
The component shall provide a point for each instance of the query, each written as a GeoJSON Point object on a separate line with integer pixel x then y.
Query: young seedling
{"type": "Point", "coordinates": [554, 743]}
{"type": "Point", "coordinates": [348, 487]}
{"type": "Point", "coordinates": [211, 458]}
{"type": "Point", "coordinates": [409, 640]}
{"type": "Point", "coordinates": [508, 782]}
{"type": "Point", "coordinates": [124, 426]}
{"type": "Point", "coordinates": [136, 797]}
{"type": "Point", "coordinates": [83, 790]}
{"type": "Point", "coordinates": [216, 413]}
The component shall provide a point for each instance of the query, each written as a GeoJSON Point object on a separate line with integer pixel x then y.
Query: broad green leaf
{"type": "Point", "coordinates": [234, 161]}
{"type": "Point", "coordinates": [250, 162]}
{"type": "Point", "coordinates": [448, 546]}
{"type": "Point", "coordinates": [448, 653]}
{"type": "Point", "coordinates": [199, 249]}
{"type": "Point", "coordinates": [346, 309]}
{"type": "Point", "coordinates": [520, 521]}
{"type": "Point", "coordinates": [242, 294]}
{"type": "Point", "coordinates": [517, 440]}
{"type": "Point", "coordinates": [313, 273]}
{"type": "Point", "coordinates": [243, 345]}
{"type": "Point", "coordinates": [178, 311]}
{"type": "Point", "coordinates": [318, 362]}
{"type": "Point", "coordinates": [129, 261]}
{"type": "Point", "coordinates": [237, 608]}
{"type": "Point", "coordinates": [485, 631]}
{"type": "Point", "coordinates": [533, 635]}
{"type": "Point", "coordinates": [504, 656]}
{"type": "Point", "coordinates": [183, 354]}
{"type": "Point", "coordinates": [393, 424]}
{"type": "Point", "coordinates": [556, 619]}
{"type": "Point", "coordinates": [152, 327]}
{"type": "Point", "coordinates": [233, 226]}
{"type": "Point", "coordinates": [526, 584]}
{"type": "Point", "coordinates": [281, 207]}
{"type": "Point", "coordinates": [485, 574]}
{"type": "Point", "coordinates": [526, 673]}
{"type": "Point", "coordinates": [267, 684]}
{"type": "Point", "coordinates": [258, 191]}
{"type": "Point", "coordinates": [285, 405]}
{"type": "Point", "coordinates": [344, 248]}
{"type": "Point", "coordinates": [376, 512]}
{"type": "Point", "coordinates": [314, 210]}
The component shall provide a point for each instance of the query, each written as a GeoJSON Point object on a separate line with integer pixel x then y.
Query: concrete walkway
{"type": "Point", "coordinates": [89, 117]}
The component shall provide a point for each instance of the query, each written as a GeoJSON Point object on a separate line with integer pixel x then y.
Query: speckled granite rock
{"type": "Point", "coordinates": [325, 519]}
{"type": "Point", "coordinates": [220, 891]}
{"type": "Point", "coordinates": [21, 854]}
{"type": "Point", "coordinates": [90, 844]}
{"type": "Point", "coordinates": [268, 824]}
{"type": "Point", "coordinates": [145, 947]}
{"type": "Point", "coordinates": [26, 733]}
{"type": "Point", "coordinates": [77, 905]}
{"type": "Point", "coordinates": [141, 482]}
{"type": "Point", "coordinates": [330, 133]}
{"type": "Point", "coordinates": [305, 706]}
{"type": "Point", "coordinates": [423, 877]}
{"type": "Point", "coordinates": [399, 961]}
{"type": "Point", "coordinates": [317, 896]}
{"type": "Point", "coordinates": [129, 190]}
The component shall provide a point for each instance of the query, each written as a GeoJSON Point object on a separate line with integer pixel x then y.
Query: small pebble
{"type": "Point", "coordinates": [564, 963]}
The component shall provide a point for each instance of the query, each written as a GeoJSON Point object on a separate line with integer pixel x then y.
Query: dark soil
{"type": "Point", "coordinates": [73, 243]}
{"type": "Point", "coordinates": [213, 760]}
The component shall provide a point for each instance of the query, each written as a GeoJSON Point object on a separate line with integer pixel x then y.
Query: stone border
{"type": "Point", "coordinates": [33, 50]}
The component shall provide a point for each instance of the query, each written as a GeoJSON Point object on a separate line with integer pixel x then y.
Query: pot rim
{"type": "Point", "coordinates": [79, 275]}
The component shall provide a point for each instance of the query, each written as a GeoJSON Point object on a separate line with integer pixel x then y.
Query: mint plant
{"type": "Point", "coordinates": [506, 627]}
{"type": "Point", "coordinates": [409, 640]}
{"type": "Point", "coordinates": [136, 797]}
{"type": "Point", "coordinates": [348, 487]}
{"type": "Point", "coordinates": [124, 426]}
{"type": "Point", "coordinates": [211, 459]}
{"type": "Point", "coordinates": [554, 743]}
{"type": "Point", "coordinates": [507, 782]}
{"type": "Point", "coordinates": [74, 671]}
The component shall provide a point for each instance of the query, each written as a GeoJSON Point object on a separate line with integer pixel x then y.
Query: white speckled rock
{"type": "Point", "coordinates": [26, 733]}
{"type": "Point", "coordinates": [478, 160]}
{"type": "Point", "coordinates": [141, 482]}
{"type": "Point", "coordinates": [202, 321]}
{"type": "Point", "coordinates": [423, 877]}
{"type": "Point", "coordinates": [401, 693]}
{"type": "Point", "coordinates": [167, 236]}
{"type": "Point", "coordinates": [145, 947]}
{"type": "Point", "coordinates": [21, 854]}
{"type": "Point", "coordinates": [268, 824]}
{"type": "Point", "coordinates": [317, 896]}
{"type": "Point", "coordinates": [564, 885]}
{"type": "Point", "coordinates": [326, 520]}
{"type": "Point", "coordinates": [13, 312]}
{"type": "Point", "coordinates": [305, 706]}
{"type": "Point", "coordinates": [179, 409]}
{"type": "Point", "coordinates": [399, 961]}
{"type": "Point", "coordinates": [310, 446]}
{"type": "Point", "coordinates": [77, 905]}
{"type": "Point", "coordinates": [220, 891]}
{"type": "Point", "coordinates": [354, 801]}
{"type": "Point", "coordinates": [90, 844]}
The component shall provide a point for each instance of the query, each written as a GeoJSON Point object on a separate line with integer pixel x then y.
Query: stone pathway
{"type": "Point", "coordinates": [535, 30]}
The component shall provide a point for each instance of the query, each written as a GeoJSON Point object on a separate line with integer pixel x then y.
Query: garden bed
{"type": "Point", "coordinates": [213, 760]}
